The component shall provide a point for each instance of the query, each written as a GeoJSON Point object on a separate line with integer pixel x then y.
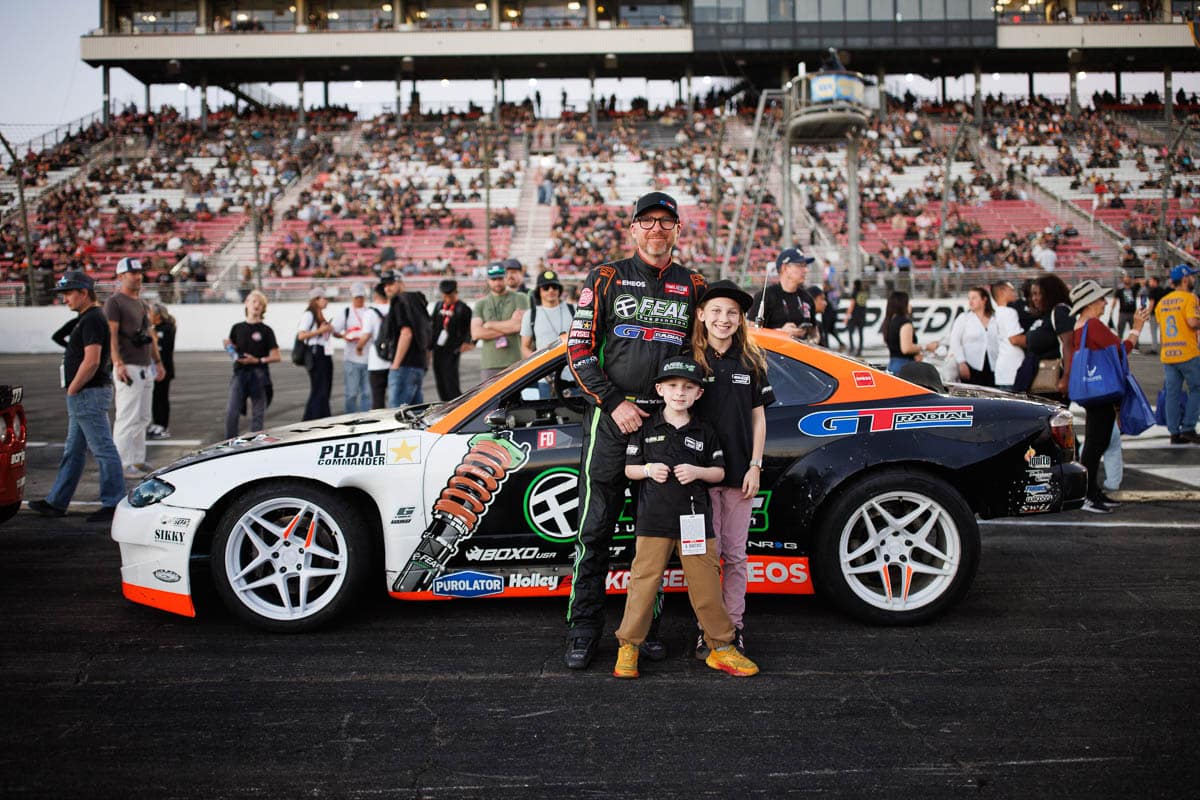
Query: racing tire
{"type": "Point", "coordinates": [899, 547]}
{"type": "Point", "coordinates": [290, 557]}
{"type": "Point", "coordinates": [9, 511]}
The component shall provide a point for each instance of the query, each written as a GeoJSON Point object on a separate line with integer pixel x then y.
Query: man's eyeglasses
{"type": "Point", "coordinates": [647, 223]}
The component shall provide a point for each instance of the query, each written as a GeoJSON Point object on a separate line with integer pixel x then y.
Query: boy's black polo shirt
{"type": "Point", "coordinates": [731, 393]}
{"type": "Point", "coordinates": [661, 504]}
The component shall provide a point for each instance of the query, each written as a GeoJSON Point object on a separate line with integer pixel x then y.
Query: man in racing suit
{"type": "Point", "coordinates": [632, 315]}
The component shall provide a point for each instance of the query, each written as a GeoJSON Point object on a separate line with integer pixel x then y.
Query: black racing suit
{"type": "Point", "coordinates": [631, 317]}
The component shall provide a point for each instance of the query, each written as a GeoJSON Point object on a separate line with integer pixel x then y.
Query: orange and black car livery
{"type": "Point", "coordinates": [871, 490]}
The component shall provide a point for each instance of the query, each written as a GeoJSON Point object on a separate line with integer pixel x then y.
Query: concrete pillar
{"type": "Point", "coordinates": [691, 99]}
{"type": "Point", "coordinates": [495, 12]}
{"type": "Point", "coordinates": [105, 88]}
{"type": "Point", "coordinates": [1117, 88]}
{"type": "Point", "coordinates": [978, 94]}
{"type": "Point", "coordinates": [1031, 85]}
{"type": "Point", "coordinates": [300, 92]}
{"type": "Point", "coordinates": [852, 209]}
{"type": "Point", "coordinates": [325, 92]}
{"type": "Point", "coordinates": [108, 16]}
{"type": "Point", "coordinates": [203, 17]}
{"type": "Point", "coordinates": [943, 90]}
{"type": "Point", "coordinates": [592, 95]}
{"type": "Point", "coordinates": [496, 89]}
{"type": "Point", "coordinates": [880, 75]}
{"type": "Point", "coordinates": [147, 98]}
{"type": "Point", "coordinates": [399, 93]}
{"type": "Point", "coordinates": [397, 14]}
{"type": "Point", "coordinates": [204, 104]}
{"type": "Point", "coordinates": [1168, 96]}
{"type": "Point", "coordinates": [1073, 99]}
{"type": "Point", "coordinates": [591, 13]}
{"type": "Point", "coordinates": [301, 16]}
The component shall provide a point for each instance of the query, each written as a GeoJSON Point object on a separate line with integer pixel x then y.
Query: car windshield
{"type": "Point", "coordinates": [436, 412]}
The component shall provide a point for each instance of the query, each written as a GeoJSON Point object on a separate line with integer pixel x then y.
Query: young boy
{"type": "Point", "coordinates": [677, 456]}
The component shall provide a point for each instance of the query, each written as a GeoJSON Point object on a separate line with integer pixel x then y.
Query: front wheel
{"type": "Point", "coordinates": [898, 548]}
{"type": "Point", "coordinates": [290, 557]}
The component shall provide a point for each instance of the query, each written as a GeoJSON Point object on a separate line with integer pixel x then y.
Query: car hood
{"type": "Point", "coordinates": [366, 422]}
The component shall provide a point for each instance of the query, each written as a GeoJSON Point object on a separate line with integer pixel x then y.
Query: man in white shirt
{"type": "Point", "coordinates": [350, 326]}
{"type": "Point", "coordinates": [377, 367]}
{"type": "Point", "coordinates": [1009, 335]}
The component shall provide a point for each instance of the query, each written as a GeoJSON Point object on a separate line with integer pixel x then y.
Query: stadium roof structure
{"type": "Point", "coordinates": [213, 42]}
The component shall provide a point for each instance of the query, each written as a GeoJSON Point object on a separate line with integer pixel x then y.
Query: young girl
{"type": "Point", "coordinates": [735, 393]}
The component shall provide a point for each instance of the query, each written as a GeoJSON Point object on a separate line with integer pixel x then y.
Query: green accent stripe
{"type": "Point", "coordinates": [585, 478]}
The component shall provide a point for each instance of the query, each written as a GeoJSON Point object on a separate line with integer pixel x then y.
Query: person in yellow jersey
{"type": "Point", "coordinates": [1178, 316]}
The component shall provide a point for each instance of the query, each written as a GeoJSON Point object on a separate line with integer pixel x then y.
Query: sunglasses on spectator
{"type": "Point", "coordinates": [647, 223]}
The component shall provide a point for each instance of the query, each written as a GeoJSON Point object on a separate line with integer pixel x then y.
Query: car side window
{"type": "Point", "coordinates": [548, 397]}
{"type": "Point", "coordinates": [796, 383]}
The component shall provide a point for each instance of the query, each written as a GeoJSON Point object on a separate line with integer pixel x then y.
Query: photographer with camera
{"type": "Point", "coordinates": [137, 364]}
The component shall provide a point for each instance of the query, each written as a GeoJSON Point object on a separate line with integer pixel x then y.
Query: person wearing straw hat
{"type": "Point", "coordinates": [1088, 302]}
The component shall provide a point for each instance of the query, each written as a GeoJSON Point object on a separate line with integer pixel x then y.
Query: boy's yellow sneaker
{"type": "Point", "coordinates": [728, 659]}
{"type": "Point", "coordinates": [627, 658]}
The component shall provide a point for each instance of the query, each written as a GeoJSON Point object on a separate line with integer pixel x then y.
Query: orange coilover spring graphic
{"type": "Point", "coordinates": [489, 460]}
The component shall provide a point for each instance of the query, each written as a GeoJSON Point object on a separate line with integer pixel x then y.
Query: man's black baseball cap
{"type": "Point", "coordinates": [447, 286]}
{"type": "Point", "coordinates": [654, 200]}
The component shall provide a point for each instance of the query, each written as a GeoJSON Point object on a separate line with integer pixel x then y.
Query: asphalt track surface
{"type": "Point", "coordinates": [1068, 671]}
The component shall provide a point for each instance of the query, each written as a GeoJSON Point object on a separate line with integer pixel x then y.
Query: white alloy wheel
{"type": "Point", "coordinates": [900, 551]}
{"type": "Point", "coordinates": [897, 547]}
{"type": "Point", "coordinates": [291, 558]}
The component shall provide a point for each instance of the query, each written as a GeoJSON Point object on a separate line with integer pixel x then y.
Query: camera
{"type": "Point", "coordinates": [140, 339]}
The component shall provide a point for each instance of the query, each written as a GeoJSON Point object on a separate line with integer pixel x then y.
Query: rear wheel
{"type": "Point", "coordinates": [290, 557]}
{"type": "Point", "coordinates": [900, 547]}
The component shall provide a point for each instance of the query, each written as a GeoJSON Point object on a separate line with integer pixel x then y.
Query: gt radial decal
{"type": "Point", "coordinates": [628, 331]}
{"type": "Point", "coordinates": [463, 501]}
{"type": "Point", "coordinates": [846, 421]}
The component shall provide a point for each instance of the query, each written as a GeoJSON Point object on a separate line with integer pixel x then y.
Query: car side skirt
{"type": "Point", "coordinates": [764, 575]}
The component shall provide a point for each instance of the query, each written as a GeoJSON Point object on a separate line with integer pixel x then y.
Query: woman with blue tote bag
{"type": "Point", "coordinates": [1096, 377]}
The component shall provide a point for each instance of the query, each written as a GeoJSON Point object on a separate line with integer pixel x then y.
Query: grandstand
{"type": "Point", "coordinates": [300, 194]}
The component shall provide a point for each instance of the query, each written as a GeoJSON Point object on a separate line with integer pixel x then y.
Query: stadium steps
{"type": "Point", "coordinates": [534, 223]}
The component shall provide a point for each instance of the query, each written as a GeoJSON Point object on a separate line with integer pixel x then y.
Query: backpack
{"type": "Point", "coordinates": [413, 304]}
{"type": "Point", "coordinates": [385, 339]}
{"type": "Point", "coordinates": [422, 323]}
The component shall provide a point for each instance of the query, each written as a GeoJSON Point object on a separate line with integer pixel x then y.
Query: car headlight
{"type": "Point", "coordinates": [149, 492]}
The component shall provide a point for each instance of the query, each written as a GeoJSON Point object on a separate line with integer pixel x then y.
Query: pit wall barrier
{"type": "Point", "coordinates": [202, 327]}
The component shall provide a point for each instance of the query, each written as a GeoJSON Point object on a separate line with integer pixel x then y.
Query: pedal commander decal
{"type": "Point", "coordinates": [847, 420]}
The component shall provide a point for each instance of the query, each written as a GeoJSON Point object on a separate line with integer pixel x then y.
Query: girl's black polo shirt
{"type": "Point", "coordinates": [661, 504]}
{"type": "Point", "coordinates": [731, 393]}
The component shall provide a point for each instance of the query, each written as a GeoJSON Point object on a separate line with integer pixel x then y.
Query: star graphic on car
{"type": "Point", "coordinates": [403, 451]}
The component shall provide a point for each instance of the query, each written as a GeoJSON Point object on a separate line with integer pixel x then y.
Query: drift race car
{"type": "Point", "coordinates": [871, 489]}
{"type": "Point", "coordinates": [12, 451]}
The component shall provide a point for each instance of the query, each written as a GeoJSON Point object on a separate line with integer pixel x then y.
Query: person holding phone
{"type": "Point", "coordinates": [786, 305]}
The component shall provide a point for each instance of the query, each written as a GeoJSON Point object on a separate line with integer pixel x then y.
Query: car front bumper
{"type": "Point", "coordinates": [156, 544]}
